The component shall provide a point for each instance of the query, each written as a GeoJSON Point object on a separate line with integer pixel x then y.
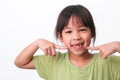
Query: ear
{"type": "Point", "coordinates": [60, 37]}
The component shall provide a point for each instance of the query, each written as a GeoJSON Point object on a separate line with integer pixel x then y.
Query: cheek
{"type": "Point", "coordinates": [88, 42]}
{"type": "Point", "coordinates": [87, 39]}
{"type": "Point", "coordinates": [66, 41]}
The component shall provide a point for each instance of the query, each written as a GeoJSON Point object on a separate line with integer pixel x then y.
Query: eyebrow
{"type": "Point", "coordinates": [66, 27]}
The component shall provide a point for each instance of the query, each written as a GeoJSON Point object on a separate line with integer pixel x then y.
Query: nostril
{"type": "Point", "coordinates": [75, 39]}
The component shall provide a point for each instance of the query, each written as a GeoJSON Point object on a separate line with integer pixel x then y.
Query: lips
{"type": "Point", "coordinates": [77, 46]}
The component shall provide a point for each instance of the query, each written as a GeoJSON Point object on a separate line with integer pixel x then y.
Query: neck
{"type": "Point", "coordinates": [81, 60]}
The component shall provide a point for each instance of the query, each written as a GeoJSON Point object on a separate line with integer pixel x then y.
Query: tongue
{"type": "Point", "coordinates": [77, 47]}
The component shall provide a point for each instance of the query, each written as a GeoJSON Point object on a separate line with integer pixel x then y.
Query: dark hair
{"type": "Point", "coordinates": [81, 13]}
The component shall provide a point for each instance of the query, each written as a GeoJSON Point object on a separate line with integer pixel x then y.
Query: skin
{"type": "Point", "coordinates": [25, 58]}
{"type": "Point", "coordinates": [107, 49]}
{"type": "Point", "coordinates": [76, 38]}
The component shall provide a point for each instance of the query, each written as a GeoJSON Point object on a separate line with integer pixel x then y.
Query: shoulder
{"type": "Point", "coordinates": [112, 61]}
{"type": "Point", "coordinates": [112, 58]}
{"type": "Point", "coordinates": [59, 55]}
{"type": "Point", "coordinates": [46, 63]}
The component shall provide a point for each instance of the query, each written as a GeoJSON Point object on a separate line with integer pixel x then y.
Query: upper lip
{"type": "Point", "coordinates": [77, 43]}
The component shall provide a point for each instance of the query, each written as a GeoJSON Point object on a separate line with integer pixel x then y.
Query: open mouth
{"type": "Point", "coordinates": [77, 46]}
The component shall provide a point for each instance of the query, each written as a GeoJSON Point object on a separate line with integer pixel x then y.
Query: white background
{"type": "Point", "coordinates": [23, 21]}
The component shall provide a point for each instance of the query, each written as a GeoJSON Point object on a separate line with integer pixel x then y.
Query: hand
{"type": "Point", "coordinates": [106, 50]}
{"type": "Point", "coordinates": [49, 47]}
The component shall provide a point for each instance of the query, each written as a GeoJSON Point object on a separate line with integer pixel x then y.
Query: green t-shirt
{"type": "Point", "coordinates": [60, 68]}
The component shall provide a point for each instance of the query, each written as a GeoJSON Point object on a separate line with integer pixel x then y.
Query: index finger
{"type": "Point", "coordinates": [93, 48]}
{"type": "Point", "coordinates": [60, 47]}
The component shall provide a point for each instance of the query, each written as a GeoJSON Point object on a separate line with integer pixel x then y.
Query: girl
{"type": "Point", "coordinates": [75, 28]}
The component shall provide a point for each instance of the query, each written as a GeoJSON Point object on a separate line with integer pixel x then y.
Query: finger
{"type": "Point", "coordinates": [105, 56]}
{"type": "Point", "coordinates": [49, 51]}
{"type": "Point", "coordinates": [60, 47]}
{"type": "Point", "coordinates": [53, 51]}
{"type": "Point", "coordinates": [100, 53]}
{"type": "Point", "coordinates": [93, 48]}
{"type": "Point", "coordinates": [45, 51]}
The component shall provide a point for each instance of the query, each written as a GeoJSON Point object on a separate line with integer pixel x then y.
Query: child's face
{"type": "Point", "coordinates": [76, 37]}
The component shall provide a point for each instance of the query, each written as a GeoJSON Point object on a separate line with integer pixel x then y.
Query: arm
{"type": "Point", "coordinates": [108, 49]}
{"type": "Point", "coordinates": [25, 58]}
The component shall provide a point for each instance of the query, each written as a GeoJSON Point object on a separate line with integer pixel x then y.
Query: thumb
{"type": "Point", "coordinates": [60, 47]}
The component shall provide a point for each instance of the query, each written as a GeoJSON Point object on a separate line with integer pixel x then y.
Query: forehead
{"type": "Point", "coordinates": [74, 21]}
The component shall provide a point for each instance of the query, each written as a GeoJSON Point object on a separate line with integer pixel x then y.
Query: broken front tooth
{"type": "Point", "coordinates": [76, 45]}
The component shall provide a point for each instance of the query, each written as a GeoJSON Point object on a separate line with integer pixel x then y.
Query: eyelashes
{"type": "Point", "coordinates": [83, 30]}
{"type": "Point", "coordinates": [68, 31]}
{"type": "Point", "coordinates": [80, 30]}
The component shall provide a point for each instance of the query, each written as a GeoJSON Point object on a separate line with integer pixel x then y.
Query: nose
{"type": "Point", "coordinates": [76, 36]}
{"type": "Point", "coordinates": [76, 39]}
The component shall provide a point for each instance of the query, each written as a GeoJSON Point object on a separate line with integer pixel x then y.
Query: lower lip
{"type": "Point", "coordinates": [77, 47]}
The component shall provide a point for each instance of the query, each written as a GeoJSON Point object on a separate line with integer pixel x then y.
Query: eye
{"type": "Point", "coordinates": [82, 30]}
{"type": "Point", "coordinates": [68, 32]}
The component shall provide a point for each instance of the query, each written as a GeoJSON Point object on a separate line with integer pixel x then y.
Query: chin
{"type": "Point", "coordinates": [79, 53]}
{"type": "Point", "coordinates": [76, 53]}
